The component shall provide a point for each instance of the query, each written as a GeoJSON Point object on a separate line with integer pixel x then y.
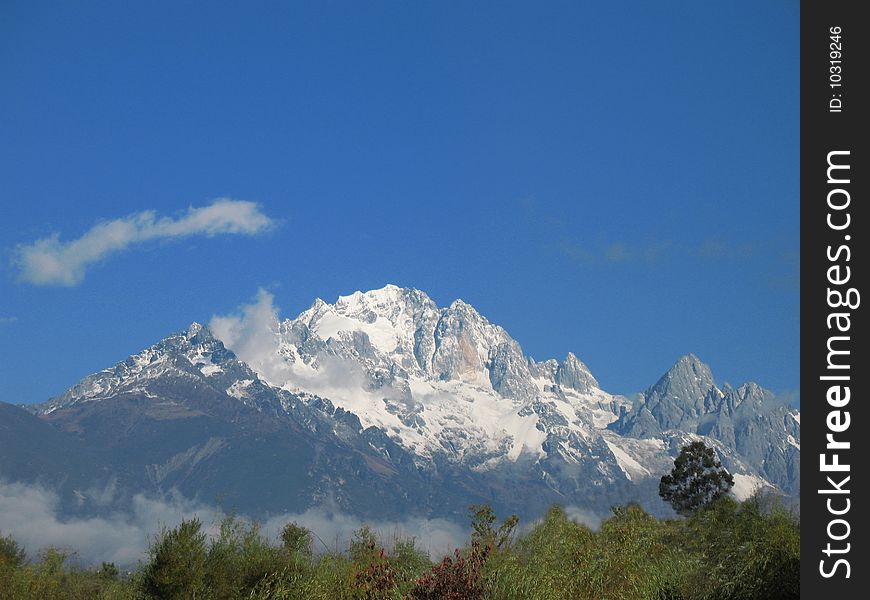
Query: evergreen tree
{"type": "Point", "coordinates": [697, 480]}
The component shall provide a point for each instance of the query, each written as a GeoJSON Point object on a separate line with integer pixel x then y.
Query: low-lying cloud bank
{"type": "Point", "coordinates": [31, 514]}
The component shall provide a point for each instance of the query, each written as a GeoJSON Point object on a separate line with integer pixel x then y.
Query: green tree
{"type": "Point", "coordinates": [408, 560]}
{"type": "Point", "coordinates": [108, 571]}
{"type": "Point", "coordinates": [696, 481]}
{"type": "Point", "coordinates": [11, 553]}
{"type": "Point", "coordinates": [239, 559]}
{"type": "Point", "coordinates": [746, 550]}
{"type": "Point", "coordinates": [364, 547]}
{"type": "Point", "coordinates": [297, 540]}
{"type": "Point", "coordinates": [546, 563]}
{"type": "Point", "coordinates": [177, 564]}
{"type": "Point", "coordinates": [482, 520]}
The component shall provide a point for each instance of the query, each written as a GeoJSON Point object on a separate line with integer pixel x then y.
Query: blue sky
{"type": "Point", "coordinates": [619, 180]}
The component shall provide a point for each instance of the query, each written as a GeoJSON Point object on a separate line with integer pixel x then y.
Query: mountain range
{"type": "Point", "coordinates": [383, 404]}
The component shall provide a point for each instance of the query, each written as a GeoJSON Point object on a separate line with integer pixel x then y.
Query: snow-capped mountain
{"type": "Point", "coordinates": [447, 382]}
{"type": "Point", "coordinates": [437, 405]}
{"type": "Point", "coordinates": [182, 355]}
{"type": "Point", "coordinates": [437, 380]}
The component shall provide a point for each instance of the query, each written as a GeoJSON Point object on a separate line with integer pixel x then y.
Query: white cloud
{"type": "Point", "coordinates": [49, 261]}
{"type": "Point", "coordinates": [591, 519]}
{"type": "Point", "coordinates": [334, 530]}
{"type": "Point", "coordinates": [31, 515]}
{"type": "Point", "coordinates": [253, 336]}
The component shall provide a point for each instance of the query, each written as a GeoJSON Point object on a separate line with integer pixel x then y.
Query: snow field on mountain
{"type": "Point", "coordinates": [347, 344]}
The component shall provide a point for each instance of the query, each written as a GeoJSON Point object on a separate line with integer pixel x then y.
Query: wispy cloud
{"type": "Point", "coordinates": [649, 248]}
{"type": "Point", "coordinates": [616, 252]}
{"type": "Point", "coordinates": [715, 248]}
{"type": "Point", "coordinates": [50, 261]}
{"type": "Point", "coordinates": [653, 252]}
{"type": "Point", "coordinates": [8, 321]}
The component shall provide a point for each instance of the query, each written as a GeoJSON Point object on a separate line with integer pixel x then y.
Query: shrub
{"type": "Point", "coordinates": [12, 555]}
{"type": "Point", "coordinates": [297, 540]}
{"type": "Point", "coordinates": [408, 560]}
{"type": "Point", "coordinates": [457, 578]}
{"type": "Point", "coordinates": [748, 550]}
{"type": "Point", "coordinates": [364, 546]}
{"type": "Point", "coordinates": [377, 579]}
{"type": "Point", "coordinates": [727, 551]}
{"type": "Point", "coordinates": [108, 571]}
{"type": "Point", "coordinates": [545, 563]}
{"type": "Point", "coordinates": [177, 563]}
{"type": "Point", "coordinates": [631, 558]}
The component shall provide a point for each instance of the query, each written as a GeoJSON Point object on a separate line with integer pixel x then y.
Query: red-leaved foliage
{"type": "Point", "coordinates": [457, 578]}
{"type": "Point", "coordinates": [378, 578]}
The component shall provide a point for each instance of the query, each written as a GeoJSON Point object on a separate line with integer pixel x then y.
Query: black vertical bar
{"type": "Point", "coordinates": [834, 228]}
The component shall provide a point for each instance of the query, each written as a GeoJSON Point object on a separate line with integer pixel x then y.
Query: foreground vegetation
{"type": "Point", "coordinates": [728, 550]}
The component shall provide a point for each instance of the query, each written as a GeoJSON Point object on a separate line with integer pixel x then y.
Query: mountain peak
{"type": "Point", "coordinates": [195, 329]}
{"type": "Point", "coordinates": [574, 374]}
{"type": "Point", "coordinates": [423, 372]}
{"type": "Point", "coordinates": [686, 383]}
{"type": "Point", "coordinates": [689, 359]}
{"type": "Point", "coordinates": [388, 293]}
{"type": "Point", "coordinates": [194, 351]}
{"type": "Point", "coordinates": [690, 368]}
{"type": "Point", "coordinates": [317, 304]}
{"type": "Point", "coordinates": [387, 302]}
{"type": "Point", "coordinates": [464, 310]}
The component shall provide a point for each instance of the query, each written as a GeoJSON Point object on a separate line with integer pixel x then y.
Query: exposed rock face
{"type": "Point", "coordinates": [575, 375]}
